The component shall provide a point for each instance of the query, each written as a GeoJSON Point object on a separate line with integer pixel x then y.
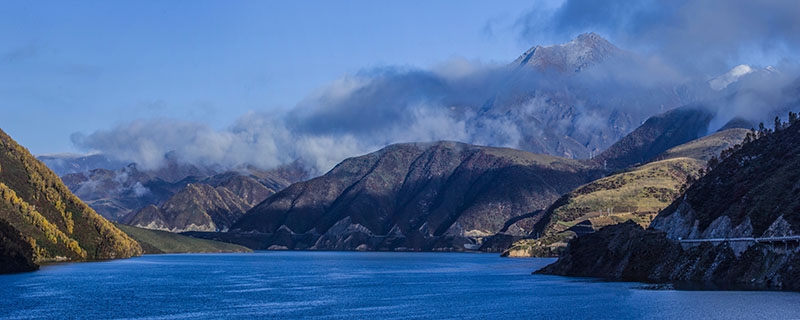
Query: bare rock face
{"type": "Point", "coordinates": [426, 196]}
{"type": "Point", "coordinates": [752, 192]}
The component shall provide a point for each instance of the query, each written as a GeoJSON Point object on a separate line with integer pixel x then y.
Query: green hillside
{"type": "Point", "coordinates": [156, 241]}
{"type": "Point", "coordinates": [57, 225]}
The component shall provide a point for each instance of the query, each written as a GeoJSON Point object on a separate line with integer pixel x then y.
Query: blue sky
{"type": "Point", "coordinates": [69, 66]}
{"type": "Point", "coordinates": [100, 66]}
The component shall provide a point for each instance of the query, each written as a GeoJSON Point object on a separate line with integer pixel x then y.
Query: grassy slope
{"type": "Point", "coordinates": [155, 241]}
{"type": "Point", "coordinates": [703, 149]}
{"type": "Point", "coordinates": [57, 224]}
{"type": "Point", "coordinates": [637, 194]}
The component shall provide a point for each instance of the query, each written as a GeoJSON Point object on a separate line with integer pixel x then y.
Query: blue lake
{"type": "Point", "coordinates": [355, 285]}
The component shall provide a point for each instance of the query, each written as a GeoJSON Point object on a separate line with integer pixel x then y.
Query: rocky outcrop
{"type": "Point", "coordinates": [426, 196]}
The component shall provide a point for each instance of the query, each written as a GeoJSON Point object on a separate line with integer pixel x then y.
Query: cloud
{"type": "Point", "coordinates": [571, 114]}
{"type": "Point", "coordinates": [487, 104]}
{"type": "Point", "coordinates": [700, 36]}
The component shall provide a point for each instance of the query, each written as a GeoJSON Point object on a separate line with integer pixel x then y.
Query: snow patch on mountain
{"type": "Point", "coordinates": [722, 82]}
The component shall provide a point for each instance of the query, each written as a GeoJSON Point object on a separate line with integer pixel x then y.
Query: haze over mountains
{"type": "Point", "coordinates": [117, 193]}
{"type": "Point", "coordinates": [572, 100]}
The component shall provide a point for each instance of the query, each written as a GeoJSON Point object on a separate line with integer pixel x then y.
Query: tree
{"type": "Point", "coordinates": [792, 117]}
{"type": "Point", "coordinates": [778, 123]}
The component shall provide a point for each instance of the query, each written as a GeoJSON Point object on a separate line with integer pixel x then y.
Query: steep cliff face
{"type": "Point", "coordinates": [54, 223]}
{"type": "Point", "coordinates": [753, 192]}
{"type": "Point", "coordinates": [434, 196]}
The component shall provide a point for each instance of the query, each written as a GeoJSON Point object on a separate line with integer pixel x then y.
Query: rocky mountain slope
{"type": "Point", "coordinates": [424, 196]}
{"type": "Point", "coordinates": [213, 205]}
{"type": "Point", "coordinates": [752, 192]}
{"type": "Point", "coordinates": [52, 222]}
{"type": "Point", "coordinates": [115, 194]}
{"type": "Point", "coordinates": [636, 194]}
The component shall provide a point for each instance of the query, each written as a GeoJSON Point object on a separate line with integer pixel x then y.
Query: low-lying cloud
{"type": "Point", "coordinates": [704, 36]}
{"type": "Point", "coordinates": [686, 43]}
{"type": "Point", "coordinates": [495, 105]}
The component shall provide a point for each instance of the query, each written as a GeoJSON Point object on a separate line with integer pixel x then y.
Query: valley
{"type": "Point", "coordinates": [592, 158]}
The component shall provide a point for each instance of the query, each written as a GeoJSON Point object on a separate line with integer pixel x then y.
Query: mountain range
{"type": "Point", "coordinates": [442, 195]}
{"type": "Point", "coordinates": [451, 196]}
{"type": "Point", "coordinates": [117, 193]}
{"type": "Point", "coordinates": [419, 196]}
{"type": "Point", "coordinates": [211, 205]}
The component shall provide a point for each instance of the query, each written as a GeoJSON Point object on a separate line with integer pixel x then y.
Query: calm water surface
{"type": "Point", "coordinates": [355, 285]}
